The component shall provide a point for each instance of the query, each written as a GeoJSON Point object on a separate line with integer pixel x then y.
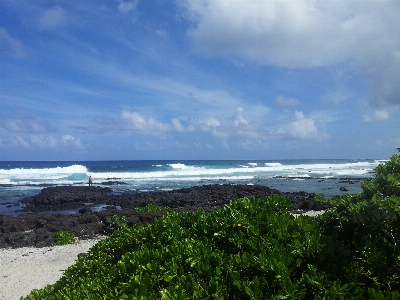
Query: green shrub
{"type": "Point", "coordinates": [250, 249]}
{"type": "Point", "coordinates": [153, 208]}
{"type": "Point", "coordinates": [116, 222]}
{"type": "Point", "coordinates": [386, 181]}
{"type": "Point", "coordinates": [64, 237]}
{"type": "Point", "coordinates": [368, 223]}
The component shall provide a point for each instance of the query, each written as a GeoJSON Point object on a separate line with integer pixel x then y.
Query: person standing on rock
{"type": "Point", "coordinates": [90, 181]}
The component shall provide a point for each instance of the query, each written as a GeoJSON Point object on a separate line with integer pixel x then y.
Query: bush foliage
{"type": "Point", "coordinates": [116, 222]}
{"type": "Point", "coordinates": [153, 208]}
{"type": "Point", "coordinates": [251, 249]}
{"type": "Point", "coordinates": [64, 237]}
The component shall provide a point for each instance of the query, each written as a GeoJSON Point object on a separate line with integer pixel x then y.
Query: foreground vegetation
{"type": "Point", "coordinates": [252, 249]}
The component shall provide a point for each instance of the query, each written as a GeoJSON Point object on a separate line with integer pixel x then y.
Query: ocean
{"type": "Point", "coordinates": [21, 179]}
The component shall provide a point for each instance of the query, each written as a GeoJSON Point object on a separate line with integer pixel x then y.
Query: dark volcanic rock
{"type": "Point", "coordinates": [113, 182]}
{"type": "Point", "coordinates": [38, 229]}
{"type": "Point", "coordinates": [66, 197]}
{"type": "Point", "coordinates": [34, 229]}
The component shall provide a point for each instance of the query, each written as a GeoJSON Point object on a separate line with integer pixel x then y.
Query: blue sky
{"type": "Point", "coordinates": [204, 79]}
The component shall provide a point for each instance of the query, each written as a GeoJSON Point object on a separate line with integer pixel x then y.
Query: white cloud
{"type": "Point", "coordinates": [222, 128]}
{"type": "Point", "coordinates": [376, 116]}
{"type": "Point", "coordinates": [177, 125]}
{"type": "Point", "coordinates": [127, 6]}
{"type": "Point", "coordinates": [69, 140]}
{"type": "Point", "coordinates": [285, 102]}
{"type": "Point", "coordinates": [52, 18]}
{"type": "Point", "coordinates": [42, 141]}
{"type": "Point", "coordinates": [11, 45]}
{"type": "Point", "coordinates": [21, 121]}
{"type": "Point", "coordinates": [14, 142]}
{"type": "Point", "coordinates": [238, 118]}
{"type": "Point", "coordinates": [284, 33]}
{"type": "Point", "coordinates": [303, 128]}
{"type": "Point", "coordinates": [211, 122]}
{"type": "Point", "coordinates": [305, 33]}
{"type": "Point", "coordinates": [133, 121]}
{"type": "Point", "coordinates": [230, 127]}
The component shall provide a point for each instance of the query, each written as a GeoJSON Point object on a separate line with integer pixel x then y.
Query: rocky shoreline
{"type": "Point", "coordinates": [38, 221]}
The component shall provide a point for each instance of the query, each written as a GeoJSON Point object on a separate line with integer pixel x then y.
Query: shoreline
{"type": "Point", "coordinates": [28, 268]}
{"type": "Point", "coordinates": [37, 227]}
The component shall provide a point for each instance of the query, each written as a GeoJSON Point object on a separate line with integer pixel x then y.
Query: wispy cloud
{"type": "Point", "coordinates": [127, 6]}
{"type": "Point", "coordinates": [376, 116]}
{"type": "Point", "coordinates": [10, 46]}
{"type": "Point", "coordinates": [21, 121]}
{"type": "Point", "coordinates": [52, 18]}
{"type": "Point", "coordinates": [286, 102]}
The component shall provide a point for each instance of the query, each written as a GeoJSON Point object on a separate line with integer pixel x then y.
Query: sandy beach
{"type": "Point", "coordinates": [25, 269]}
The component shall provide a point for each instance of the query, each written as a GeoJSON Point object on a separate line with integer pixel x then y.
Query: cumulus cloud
{"type": "Point", "coordinates": [10, 45]}
{"type": "Point", "coordinates": [21, 121]}
{"type": "Point", "coordinates": [228, 127]}
{"type": "Point", "coordinates": [305, 33]}
{"type": "Point", "coordinates": [221, 128]}
{"type": "Point", "coordinates": [178, 125]}
{"type": "Point", "coordinates": [69, 140]}
{"type": "Point", "coordinates": [303, 128]}
{"type": "Point", "coordinates": [205, 124]}
{"type": "Point", "coordinates": [238, 118]}
{"type": "Point", "coordinates": [137, 123]}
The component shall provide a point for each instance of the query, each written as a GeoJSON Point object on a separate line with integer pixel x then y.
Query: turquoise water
{"type": "Point", "coordinates": [23, 179]}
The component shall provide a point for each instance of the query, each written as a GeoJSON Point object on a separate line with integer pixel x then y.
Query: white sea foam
{"type": "Point", "coordinates": [180, 166]}
{"type": "Point", "coordinates": [32, 176]}
{"type": "Point", "coordinates": [189, 172]}
{"type": "Point", "coordinates": [184, 172]}
{"type": "Point", "coordinates": [45, 171]}
{"type": "Point", "coordinates": [276, 164]}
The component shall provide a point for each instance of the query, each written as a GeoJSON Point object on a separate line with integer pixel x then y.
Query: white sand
{"type": "Point", "coordinates": [25, 269]}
